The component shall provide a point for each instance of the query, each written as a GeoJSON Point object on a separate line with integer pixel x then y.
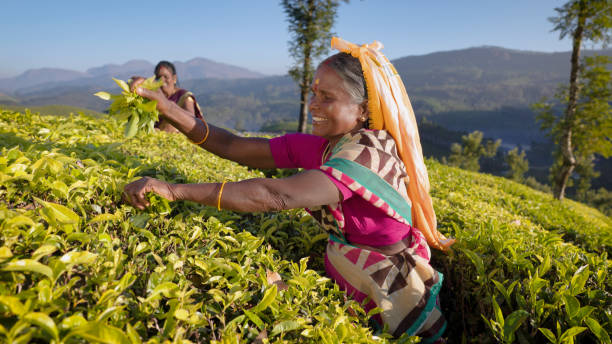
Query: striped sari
{"type": "Point", "coordinates": [396, 278]}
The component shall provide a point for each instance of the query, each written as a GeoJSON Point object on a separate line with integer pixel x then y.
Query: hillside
{"type": "Point", "coordinates": [78, 264]}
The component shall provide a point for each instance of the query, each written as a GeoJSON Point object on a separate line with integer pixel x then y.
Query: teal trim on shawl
{"type": "Point", "coordinates": [375, 184]}
{"type": "Point", "coordinates": [436, 336]}
{"type": "Point", "coordinates": [339, 239]}
{"type": "Point", "coordinates": [431, 303]}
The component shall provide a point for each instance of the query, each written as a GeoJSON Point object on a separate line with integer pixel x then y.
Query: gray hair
{"type": "Point", "coordinates": [349, 70]}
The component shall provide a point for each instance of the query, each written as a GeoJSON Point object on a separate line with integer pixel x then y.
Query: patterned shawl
{"type": "Point", "coordinates": [368, 164]}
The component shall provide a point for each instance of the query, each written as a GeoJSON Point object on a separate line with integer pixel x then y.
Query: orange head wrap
{"type": "Point", "coordinates": [390, 110]}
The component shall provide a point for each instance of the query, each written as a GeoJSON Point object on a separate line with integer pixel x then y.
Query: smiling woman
{"type": "Point", "coordinates": [364, 181]}
{"type": "Point", "coordinates": [166, 72]}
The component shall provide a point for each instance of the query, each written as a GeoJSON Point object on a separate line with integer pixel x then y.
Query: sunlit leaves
{"type": "Point", "coordinates": [141, 113]}
{"type": "Point", "coordinates": [28, 265]}
{"type": "Point", "coordinates": [104, 271]}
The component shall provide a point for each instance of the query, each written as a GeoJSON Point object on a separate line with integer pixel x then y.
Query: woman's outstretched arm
{"type": "Point", "coordinates": [249, 151]}
{"type": "Point", "coordinates": [307, 189]}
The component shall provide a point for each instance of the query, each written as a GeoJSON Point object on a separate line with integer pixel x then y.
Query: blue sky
{"type": "Point", "coordinates": [253, 33]}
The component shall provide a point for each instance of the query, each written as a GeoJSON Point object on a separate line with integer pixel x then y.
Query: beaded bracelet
{"type": "Point", "coordinates": [219, 197]}
{"type": "Point", "coordinates": [205, 136]}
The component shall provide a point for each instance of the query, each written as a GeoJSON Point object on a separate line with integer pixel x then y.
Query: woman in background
{"type": "Point", "coordinates": [166, 72]}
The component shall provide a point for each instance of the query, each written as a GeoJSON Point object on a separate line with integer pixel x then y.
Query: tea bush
{"type": "Point", "coordinates": [79, 265]}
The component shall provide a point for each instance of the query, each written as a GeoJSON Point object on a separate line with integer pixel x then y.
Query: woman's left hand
{"type": "Point", "coordinates": [135, 192]}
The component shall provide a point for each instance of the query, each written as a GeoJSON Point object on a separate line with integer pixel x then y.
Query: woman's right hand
{"type": "Point", "coordinates": [135, 192]}
{"type": "Point", "coordinates": [163, 103]}
{"type": "Point", "coordinates": [135, 81]}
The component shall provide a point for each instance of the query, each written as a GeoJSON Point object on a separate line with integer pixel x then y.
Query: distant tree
{"type": "Point", "coordinates": [583, 20]}
{"type": "Point", "coordinates": [517, 163]}
{"type": "Point", "coordinates": [467, 154]}
{"type": "Point", "coordinates": [591, 125]}
{"type": "Point", "coordinates": [310, 23]}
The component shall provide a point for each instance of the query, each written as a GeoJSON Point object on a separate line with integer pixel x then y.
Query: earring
{"type": "Point", "coordinates": [363, 119]}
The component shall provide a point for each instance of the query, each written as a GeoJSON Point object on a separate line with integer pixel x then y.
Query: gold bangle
{"type": "Point", "coordinates": [219, 197]}
{"type": "Point", "coordinates": [205, 136]}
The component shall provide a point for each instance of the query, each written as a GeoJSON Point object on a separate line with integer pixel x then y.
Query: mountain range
{"type": "Point", "coordinates": [34, 80]}
{"type": "Point", "coordinates": [482, 88]}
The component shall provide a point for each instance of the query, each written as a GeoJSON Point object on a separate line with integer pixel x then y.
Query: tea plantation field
{"type": "Point", "coordinates": [77, 265]}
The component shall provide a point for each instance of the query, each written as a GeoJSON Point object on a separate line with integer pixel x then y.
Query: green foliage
{"type": "Point", "coordinates": [594, 15]}
{"type": "Point", "coordinates": [524, 251]}
{"type": "Point", "coordinates": [591, 126]}
{"type": "Point", "coordinates": [310, 24]}
{"type": "Point", "coordinates": [467, 154]}
{"type": "Point", "coordinates": [141, 113]}
{"type": "Point", "coordinates": [78, 265]}
{"type": "Point", "coordinates": [517, 163]}
{"type": "Point", "coordinates": [586, 102]}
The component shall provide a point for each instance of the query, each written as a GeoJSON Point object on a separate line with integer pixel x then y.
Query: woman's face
{"type": "Point", "coordinates": [169, 80]}
{"type": "Point", "coordinates": [333, 111]}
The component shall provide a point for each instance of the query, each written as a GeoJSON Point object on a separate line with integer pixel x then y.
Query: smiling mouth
{"type": "Point", "coordinates": [318, 119]}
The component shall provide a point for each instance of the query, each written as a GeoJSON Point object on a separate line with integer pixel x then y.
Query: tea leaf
{"type": "Point", "coordinates": [132, 126]}
{"type": "Point", "coordinates": [73, 321]}
{"type": "Point", "coordinates": [548, 334]}
{"type": "Point", "coordinates": [43, 321]}
{"type": "Point", "coordinates": [76, 257]}
{"type": "Point", "coordinates": [59, 212]}
{"type": "Point", "coordinates": [181, 314]}
{"type": "Point", "coordinates": [572, 305]}
{"type": "Point", "coordinates": [28, 265]}
{"type": "Point", "coordinates": [99, 332]}
{"type": "Point", "coordinates": [133, 334]}
{"type": "Point", "coordinates": [579, 280]}
{"type": "Point", "coordinates": [571, 333]}
{"type": "Point", "coordinates": [512, 323]}
{"type": "Point", "coordinates": [103, 95]}
{"type": "Point", "coordinates": [5, 253]}
{"type": "Point", "coordinates": [124, 86]}
{"type": "Point", "coordinates": [599, 331]}
{"type": "Point", "coordinates": [18, 221]}
{"type": "Point", "coordinates": [285, 326]}
{"type": "Point", "coordinates": [43, 250]}
{"type": "Point", "coordinates": [255, 319]}
{"type": "Point", "coordinates": [168, 289]}
{"type": "Point", "coordinates": [13, 304]}
{"type": "Point", "coordinates": [267, 299]}
{"type": "Point", "coordinates": [103, 218]}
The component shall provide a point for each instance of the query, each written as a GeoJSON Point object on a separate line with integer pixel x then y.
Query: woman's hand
{"type": "Point", "coordinates": [135, 192]}
{"type": "Point", "coordinates": [135, 81]}
{"type": "Point", "coordinates": [162, 101]}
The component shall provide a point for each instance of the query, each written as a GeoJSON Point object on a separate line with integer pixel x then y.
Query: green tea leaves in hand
{"type": "Point", "coordinates": [140, 113]}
